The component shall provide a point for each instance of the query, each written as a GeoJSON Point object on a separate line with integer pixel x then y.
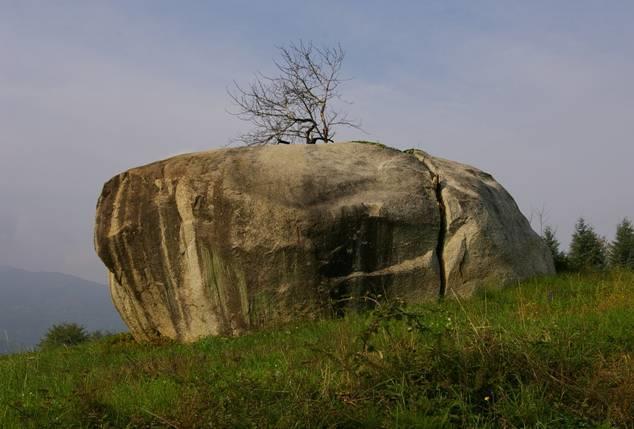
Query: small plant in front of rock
{"type": "Point", "coordinates": [386, 314]}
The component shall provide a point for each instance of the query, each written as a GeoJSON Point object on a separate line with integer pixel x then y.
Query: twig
{"type": "Point", "coordinates": [162, 419]}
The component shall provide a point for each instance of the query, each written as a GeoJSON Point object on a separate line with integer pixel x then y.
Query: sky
{"type": "Point", "coordinates": [538, 93]}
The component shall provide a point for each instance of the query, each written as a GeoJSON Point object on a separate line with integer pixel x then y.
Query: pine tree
{"type": "Point", "coordinates": [559, 257]}
{"type": "Point", "coordinates": [622, 248]}
{"type": "Point", "coordinates": [587, 249]}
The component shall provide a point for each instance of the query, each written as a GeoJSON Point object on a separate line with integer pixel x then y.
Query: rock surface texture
{"type": "Point", "coordinates": [220, 242]}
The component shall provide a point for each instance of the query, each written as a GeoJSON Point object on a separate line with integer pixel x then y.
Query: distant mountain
{"type": "Point", "coordinates": [30, 302]}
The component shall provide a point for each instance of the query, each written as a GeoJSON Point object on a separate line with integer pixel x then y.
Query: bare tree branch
{"type": "Point", "coordinates": [297, 105]}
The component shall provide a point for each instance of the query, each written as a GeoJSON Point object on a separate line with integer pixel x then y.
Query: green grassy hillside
{"type": "Point", "coordinates": [553, 352]}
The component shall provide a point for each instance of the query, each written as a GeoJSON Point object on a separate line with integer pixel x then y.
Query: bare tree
{"type": "Point", "coordinates": [297, 105]}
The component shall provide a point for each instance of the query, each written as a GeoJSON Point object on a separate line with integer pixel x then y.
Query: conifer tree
{"type": "Point", "coordinates": [587, 249]}
{"type": "Point", "coordinates": [559, 257]}
{"type": "Point", "coordinates": [622, 248]}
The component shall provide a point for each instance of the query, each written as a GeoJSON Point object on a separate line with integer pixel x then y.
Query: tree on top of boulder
{"type": "Point", "coordinates": [296, 106]}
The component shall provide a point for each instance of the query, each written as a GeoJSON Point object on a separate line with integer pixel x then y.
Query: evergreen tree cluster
{"type": "Point", "coordinates": [590, 252]}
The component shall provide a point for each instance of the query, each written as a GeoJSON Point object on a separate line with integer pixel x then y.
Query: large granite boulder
{"type": "Point", "coordinates": [220, 242]}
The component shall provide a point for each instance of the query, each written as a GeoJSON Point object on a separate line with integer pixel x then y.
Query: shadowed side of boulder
{"type": "Point", "coordinates": [221, 242]}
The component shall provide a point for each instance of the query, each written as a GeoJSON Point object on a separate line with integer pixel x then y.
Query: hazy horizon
{"type": "Point", "coordinates": [539, 94]}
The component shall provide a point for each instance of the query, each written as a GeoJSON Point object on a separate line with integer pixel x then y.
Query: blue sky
{"type": "Point", "coordinates": [538, 93]}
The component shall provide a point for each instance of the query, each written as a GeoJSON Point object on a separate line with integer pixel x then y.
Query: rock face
{"type": "Point", "coordinates": [220, 242]}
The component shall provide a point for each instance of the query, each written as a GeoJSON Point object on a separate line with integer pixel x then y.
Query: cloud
{"type": "Point", "coordinates": [537, 94]}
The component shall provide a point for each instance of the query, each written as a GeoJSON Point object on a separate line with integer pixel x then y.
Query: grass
{"type": "Point", "coordinates": [551, 352]}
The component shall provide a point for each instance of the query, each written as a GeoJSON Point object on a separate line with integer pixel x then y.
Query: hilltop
{"type": "Point", "coordinates": [550, 352]}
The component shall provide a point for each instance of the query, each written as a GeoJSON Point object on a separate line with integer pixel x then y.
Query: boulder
{"type": "Point", "coordinates": [229, 240]}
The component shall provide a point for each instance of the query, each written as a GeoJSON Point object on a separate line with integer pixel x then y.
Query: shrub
{"type": "Point", "coordinates": [64, 334]}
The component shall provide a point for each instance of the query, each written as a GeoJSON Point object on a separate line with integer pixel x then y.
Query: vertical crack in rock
{"type": "Point", "coordinates": [437, 184]}
{"type": "Point", "coordinates": [442, 232]}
